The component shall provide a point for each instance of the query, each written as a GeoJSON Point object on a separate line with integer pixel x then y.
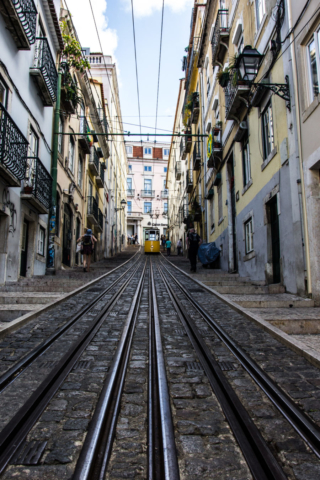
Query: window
{"type": "Point", "coordinates": [147, 151]}
{"type": "Point", "coordinates": [3, 93]}
{"type": "Point", "coordinates": [60, 137]}
{"type": "Point", "coordinates": [129, 204]}
{"type": "Point", "coordinates": [147, 169]}
{"type": "Point", "coordinates": [267, 131]}
{"type": "Point", "coordinates": [240, 44]}
{"type": "Point", "coordinates": [260, 11]}
{"type": "Point", "coordinates": [80, 171]}
{"type": "Point", "coordinates": [246, 162]}
{"type": "Point", "coordinates": [130, 168]}
{"type": "Point", "coordinates": [41, 241]}
{"type": "Point", "coordinates": [165, 169]}
{"type": "Point", "coordinates": [71, 154]}
{"type": "Point", "coordinates": [90, 189]}
{"type": "Point", "coordinates": [314, 63]}
{"type": "Point", "coordinates": [147, 207]}
{"type": "Point", "coordinates": [129, 183]}
{"type": "Point", "coordinates": [249, 236]}
{"type": "Point", "coordinates": [147, 185]}
{"type": "Point", "coordinates": [166, 152]}
{"type": "Point", "coordinates": [33, 151]}
{"type": "Point", "coordinates": [220, 206]}
{"type": "Point", "coordinates": [129, 150]}
{"type": "Point", "coordinates": [211, 213]}
{"type": "Point", "coordinates": [165, 207]}
{"type": "Point", "coordinates": [208, 78]}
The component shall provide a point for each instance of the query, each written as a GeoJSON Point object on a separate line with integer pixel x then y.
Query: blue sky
{"type": "Point", "coordinates": [115, 27]}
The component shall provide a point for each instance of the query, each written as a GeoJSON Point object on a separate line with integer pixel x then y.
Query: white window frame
{"type": "Point", "coordinates": [165, 207]}
{"type": "Point", "coordinates": [246, 162]}
{"type": "Point", "coordinates": [71, 154]}
{"type": "Point", "coordinates": [144, 207]}
{"type": "Point", "coordinates": [129, 182]}
{"type": "Point", "coordinates": [5, 88]}
{"type": "Point", "coordinates": [268, 108]}
{"type": "Point", "coordinates": [147, 152]}
{"type": "Point", "coordinates": [130, 168]}
{"type": "Point", "coordinates": [316, 39]}
{"type": "Point", "coordinates": [248, 232]}
{"type": "Point", "coordinates": [164, 152]}
{"type": "Point", "coordinates": [260, 11]}
{"type": "Point", "coordinates": [129, 206]}
{"type": "Point", "coordinates": [41, 240]}
{"type": "Point", "coordinates": [148, 180]}
{"type": "Point", "coordinates": [147, 168]}
{"type": "Point", "coordinates": [129, 149]}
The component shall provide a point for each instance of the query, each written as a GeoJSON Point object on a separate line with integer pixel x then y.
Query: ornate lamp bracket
{"type": "Point", "coordinates": [282, 90]}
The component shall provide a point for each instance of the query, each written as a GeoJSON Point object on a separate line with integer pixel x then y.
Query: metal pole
{"type": "Point", "coordinates": [54, 173]}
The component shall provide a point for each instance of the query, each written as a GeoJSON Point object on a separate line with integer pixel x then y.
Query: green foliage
{"type": "Point", "coordinates": [72, 53]}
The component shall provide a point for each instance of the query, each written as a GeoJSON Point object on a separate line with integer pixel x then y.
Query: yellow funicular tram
{"type": "Point", "coordinates": [152, 241]}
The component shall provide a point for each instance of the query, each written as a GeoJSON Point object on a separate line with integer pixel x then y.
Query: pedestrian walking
{"type": "Point", "coordinates": [87, 241]}
{"type": "Point", "coordinates": [179, 246]}
{"type": "Point", "coordinates": [163, 242]}
{"type": "Point", "coordinates": [133, 240]}
{"type": "Point", "coordinates": [194, 241]}
{"type": "Point", "coordinates": [136, 239]}
{"type": "Point", "coordinates": [168, 245]}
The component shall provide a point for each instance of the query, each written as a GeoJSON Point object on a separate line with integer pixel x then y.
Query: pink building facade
{"type": "Point", "coordinates": [147, 196]}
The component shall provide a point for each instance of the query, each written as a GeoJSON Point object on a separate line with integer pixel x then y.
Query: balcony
{"type": "Point", "coordinates": [147, 193]}
{"type": "Point", "coordinates": [84, 140]}
{"type": "Point", "coordinates": [130, 192]}
{"type": "Point", "coordinates": [44, 72]}
{"type": "Point", "coordinates": [189, 183]}
{"type": "Point", "coordinates": [178, 170]}
{"type": "Point", "coordinates": [165, 193]}
{"type": "Point", "coordinates": [103, 120]}
{"type": "Point", "coordinates": [216, 155]}
{"type": "Point", "coordinates": [236, 93]}
{"type": "Point", "coordinates": [99, 226]}
{"type": "Point", "coordinates": [37, 185]}
{"type": "Point", "coordinates": [69, 91]}
{"type": "Point", "coordinates": [195, 108]}
{"type": "Point", "coordinates": [92, 211]}
{"type": "Point", "coordinates": [183, 151]}
{"type": "Point", "coordinates": [196, 156]}
{"type": "Point", "coordinates": [20, 17]}
{"type": "Point", "coordinates": [13, 150]}
{"type": "Point", "coordinates": [220, 36]}
{"type": "Point", "coordinates": [100, 178]}
{"type": "Point", "coordinates": [94, 162]}
{"type": "Point", "coordinates": [197, 209]}
{"type": "Point", "coordinates": [134, 215]}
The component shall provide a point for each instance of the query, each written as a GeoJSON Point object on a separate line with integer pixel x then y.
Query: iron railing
{"type": "Point", "coordinates": [84, 130]}
{"type": "Point", "coordinates": [183, 148]}
{"type": "Point", "coordinates": [13, 146]}
{"type": "Point", "coordinates": [100, 219]}
{"type": "Point", "coordinates": [27, 13]}
{"type": "Point", "coordinates": [165, 193]}
{"type": "Point", "coordinates": [103, 120]}
{"type": "Point", "coordinates": [43, 61]}
{"type": "Point", "coordinates": [94, 159]}
{"type": "Point", "coordinates": [130, 192]}
{"type": "Point", "coordinates": [147, 193]}
{"type": "Point", "coordinates": [231, 89]}
{"type": "Point", "coordinates": [221, 26]}
{"type": "Point", "coordinates": [196, 156]}
{"type": "Point", "coordinates": [93, 208]}
{"type": "Point", "coordinates": [39, 180]}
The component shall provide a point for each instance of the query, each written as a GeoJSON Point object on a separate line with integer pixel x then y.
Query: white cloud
{"type": "Point", "coordinates": [82, 18]}
{"type": "Point", "coordinates": [145, 8]}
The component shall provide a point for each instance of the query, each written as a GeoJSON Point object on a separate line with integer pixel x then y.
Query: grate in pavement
{"type": "Point", "coordinates": [207, 333]}
{"type": "Point", "coordinates": [49, 364]}
{"type": "Point", "coordinates": [194, 367]}
{"type": "Point", "coordinates": [82, 364]}
{"type": "Point", "coordinates": [226, 366]}
{"type": "Point", "coordinates": [180, 331]}
{"type": "Point", "coordinates": [29, 453]}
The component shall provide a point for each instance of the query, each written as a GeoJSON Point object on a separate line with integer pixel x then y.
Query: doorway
{"type": "Point", "coordinates": [275, 238]}
{"type": "Point", "coordinates": [24, 248]}
{"type": "Point", "coordinates": [67, 236]}
{"type": "Point", "coordinates": [233, 213]}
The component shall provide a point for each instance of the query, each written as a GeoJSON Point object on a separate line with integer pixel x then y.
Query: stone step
{"type": "Point", "coordinates": [250, 289]}
{"type": "Point", "coordinates": [282, 300]}
{"type": "Point", "coordinates": [11, 312]}
{"type": "Point", "coordinates": [18, 298]}
{"type": "Point", "coordinates": [293, 321]}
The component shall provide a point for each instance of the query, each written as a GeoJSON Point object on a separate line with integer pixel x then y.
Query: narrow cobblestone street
{"type": "Point", "coordinates": [241, 402]}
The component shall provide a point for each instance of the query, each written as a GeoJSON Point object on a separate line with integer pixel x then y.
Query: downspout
{"type": "Point", "coordinates": [304, 207]}
{"type": "Point", "coordinates": [54, 173]}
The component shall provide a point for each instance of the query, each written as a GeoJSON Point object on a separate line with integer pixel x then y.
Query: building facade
{"type": "Point", "coordinates": [147, 192]}
{"type": "Point", "coordinates": [30, 39]}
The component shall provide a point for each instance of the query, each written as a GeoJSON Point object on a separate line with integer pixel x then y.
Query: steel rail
{"type": "Point", "coordinates": [14, 372]}
{"type": "Point", "coordinates": [170, 461]}
{"type": "Point", "coordinates": [19, 426]}
{"type": "Point", "coordinates": [257, 454]}
{"type": "Point", "coordinates": [303, 425]}
{"type": "Point", "coordinates": [96, 451]}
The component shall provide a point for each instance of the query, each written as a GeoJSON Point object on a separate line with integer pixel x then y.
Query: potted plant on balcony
{"type": "Point", "coordinates": [223, 77]}
{"type": "Point", "coordinates": [217, 129]}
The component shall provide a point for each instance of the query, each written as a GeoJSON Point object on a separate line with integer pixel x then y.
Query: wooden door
{"type": "Point", "coordinates": [24, 248]}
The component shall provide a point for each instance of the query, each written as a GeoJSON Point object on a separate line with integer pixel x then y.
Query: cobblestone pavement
{"type": "Point", "coordinates": [206, 446]}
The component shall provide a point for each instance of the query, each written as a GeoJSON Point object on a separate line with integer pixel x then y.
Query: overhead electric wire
{"type": "Point", "coordinates": [135, 56]}
{"type": "Point", "coordinates": [155, 131]}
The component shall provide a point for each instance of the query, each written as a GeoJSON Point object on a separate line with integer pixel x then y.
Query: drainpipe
{"type": "Point", "coordinates": [54, 173]}
{"type": "Point", "coordinates": [304, 207]}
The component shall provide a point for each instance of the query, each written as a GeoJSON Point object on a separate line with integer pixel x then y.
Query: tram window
{"type": "Point", "coordinates": [147, 235]}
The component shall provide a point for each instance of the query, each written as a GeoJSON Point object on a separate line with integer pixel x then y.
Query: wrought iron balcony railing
{"type": "Point", "coordinates": [193, 56]}
{"type": "Point", "coordinates": [130, 192]}
{"type": "Point", "coordinates": [235, 93]}
{"type": "Point", "coordinates": [13, 150]}
{"type": "Point", "coordinates": [20, 17]}
{"type": "Point", "coordinates": [183, 152]}
{"type": "Point", "coordinates": [44, 72]}
{"type": "Point", "coordinates": [103, 120]}
{"type": "Point", "coordinates": [221, 30]}
{"type": "Point", "coordinates": [196, 156]}
{"type": "Point", "coordinates": [195, 109]}
{"type": "Point", "coordinates": [100, 219]}
{"type": "Point", "coordinates": [178, 170]}
{"type": "Point", "coordinates": [93, 210]}
{"type": "Point", "coordinates": [100, 176]}
{"type": "Point", "coordinates": [189, 181]}
{"type": "Point", "coordinates": [94, 162]}
{"type": "Point", "coordinates": [84, 139]}
{"type": "Point", "coordinates": [37, 184]}
{"type": "Point", "coordinates": [165, 193]}
{"type": "Point", "coordinates": [147, 193]}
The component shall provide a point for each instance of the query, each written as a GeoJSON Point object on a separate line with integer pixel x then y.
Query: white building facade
{"type": "Point", "coordinates": [147, 195]}
{"type": "Point", "coordinates": [30, 40]}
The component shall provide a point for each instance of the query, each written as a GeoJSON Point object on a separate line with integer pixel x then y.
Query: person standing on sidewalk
{"type": "Point", "coordinates": [168, 246]}
{"type": "Point", "coordinates": [194, 241]}
{"type": "Point", "coordinates": [179, 246]}
{"type": "Point", "coordinates": [87, 240]}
